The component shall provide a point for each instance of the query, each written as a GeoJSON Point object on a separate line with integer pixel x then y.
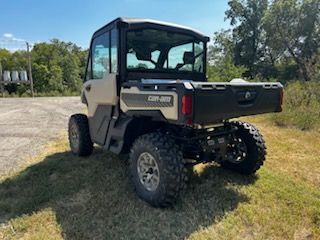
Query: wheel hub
{"type": "Point", "coordinates": [148, 171]}
{"type": "Point", "coordinates": [74, 136]}
{"type": "Point", "coordinates": [237, 151]}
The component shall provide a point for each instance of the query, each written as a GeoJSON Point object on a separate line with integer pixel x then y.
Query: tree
{"type": "Point", "coordinates": [82, 56]}
{"type": "Point", "coordinates": [55, 82]}
{"type": "Point", "coordinates": [220, 55]}
{"type": "Point", "coordinates": [5, 59]}
{"type": "Point", "coordinates": [20, 59]}
{"type": "Point", "coordinates": [57, 66]}
{"type": "Point", "coordinates": [222, 47]}
{"type": "Point", "coordinates": [71, 72]}
{"type": "Point", "coordinates": [292, 28]}
{"type": "Point", "coordinates": [225, 71]}
{"type": "Point", "coordinates": [40, 77]}
{"type": "Point", "coordinates": [248, 37]}
{"type": "Point", "coordinates": [65, 61]}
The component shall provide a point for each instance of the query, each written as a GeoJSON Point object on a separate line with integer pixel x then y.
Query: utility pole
{"type": "Point", "coordinates": [1, 83]}
{"type": "Point", "coordinates": [30, 69]}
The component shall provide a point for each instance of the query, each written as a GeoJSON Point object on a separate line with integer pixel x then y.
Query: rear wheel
{"type": "Point", "coordinates": [79, 135]}
{"type": "Point", "coordinates": [157, 169]}
{"type": "Point", "coordinates": [247, 152]}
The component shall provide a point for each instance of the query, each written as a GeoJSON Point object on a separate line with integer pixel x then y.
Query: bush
{"type": "Point", "coordinates": [224, 71]}
{"type": "Point", "coordinates": [301, 107]}
{"type": "Point", "coordinates": [66, 93]}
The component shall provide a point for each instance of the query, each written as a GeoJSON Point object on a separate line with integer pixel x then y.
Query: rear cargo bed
{"type": "Point", "coordinates": [214, 102]}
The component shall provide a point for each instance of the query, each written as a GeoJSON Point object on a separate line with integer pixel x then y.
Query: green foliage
{"type": "Point", "coordinates": [55, 82]}
{"type": "Point", "coordinates": [272, 39]}
{"type": "Point", "coordinates": [223, 46]}
{"type": "Point", "coordinates": [5, 59]}
{"type": "Point", "coordinates": [71, 72]}
{"type": "Point", "coordinates": [301, 106]}
{"type": "Point", "coordinates": [225, 71]}
{"type": "Point", "coordinates": [66, 63]}
{"type": "Point", "coordinates": [221, 67]}
{"type": "Point", "coordinates": [292, 27]}
{"type": "Point", "coordinates": [58, 68]}
{"type": "Point", "coordinates": [318, 73]}
{"type": "Point", "coordinates": [41, 77]}
{"type": "Point", "coordinates": [246, 18]}
{"type": "Point", "coordinates": [287, 71]}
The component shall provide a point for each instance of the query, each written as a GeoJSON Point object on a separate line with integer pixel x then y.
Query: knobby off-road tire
{"type": "Point", "coordinates": [79, 135]}
{"type": "Point", "coordinates": [171, 169]}
{"type": "Point", "coordinates": [256, 149]}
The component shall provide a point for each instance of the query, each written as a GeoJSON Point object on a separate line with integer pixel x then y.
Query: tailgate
{"type": "Point", "coordinates": [214, 102]}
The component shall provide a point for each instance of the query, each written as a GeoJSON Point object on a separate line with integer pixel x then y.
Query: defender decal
{"type": "Point", "coordinates": [147, 100]}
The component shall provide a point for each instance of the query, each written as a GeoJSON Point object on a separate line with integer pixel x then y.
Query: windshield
{"type": "Point", "coordinates": [163, 51]}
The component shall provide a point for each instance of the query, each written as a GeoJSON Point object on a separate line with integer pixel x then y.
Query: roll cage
{"type": "Point", "coordinates": [123, 26]}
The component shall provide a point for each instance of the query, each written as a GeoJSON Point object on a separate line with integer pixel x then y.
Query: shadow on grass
{"type": "Point", "coordinates": [93, 199]}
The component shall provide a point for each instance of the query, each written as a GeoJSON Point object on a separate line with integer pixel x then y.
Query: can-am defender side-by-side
{"type": "Point", "coordinates": [147, 94]}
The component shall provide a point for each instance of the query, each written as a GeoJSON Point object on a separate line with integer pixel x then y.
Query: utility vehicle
{"type": "Point", "coordinates": [147, 94]}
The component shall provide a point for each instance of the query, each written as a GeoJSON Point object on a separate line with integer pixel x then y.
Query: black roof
{"type": "Point", "coordinates": [131, 22]}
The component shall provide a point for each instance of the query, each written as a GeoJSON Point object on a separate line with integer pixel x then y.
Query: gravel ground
{"type": "Point", "coordinates": [27, 124]}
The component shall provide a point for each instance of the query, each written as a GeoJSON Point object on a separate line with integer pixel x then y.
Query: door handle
{"type": "Point", "coordinates": [88, 88]}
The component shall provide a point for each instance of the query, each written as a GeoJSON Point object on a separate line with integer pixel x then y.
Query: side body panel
{"type": "Point", "coordinates": [166, 102]}
{"type": "Point", "coordinates": [101, 97]}
{"type": "Point", "coordinates": [102, 91]}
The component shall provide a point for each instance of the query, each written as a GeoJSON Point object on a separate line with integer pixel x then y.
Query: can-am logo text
{"type": "Point", "coordinates": [161, 99]}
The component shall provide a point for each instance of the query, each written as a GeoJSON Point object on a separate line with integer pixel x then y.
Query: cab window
{"type": "Point", "coordinates": [114, 51]}
{"type": "Point", "coordinates": [100, 56]}
{"type": "Point", "coordinates": [176, 55]}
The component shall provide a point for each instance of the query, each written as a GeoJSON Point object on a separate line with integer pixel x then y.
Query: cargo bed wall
{"type": "Point", "coordinates": [214, 102]}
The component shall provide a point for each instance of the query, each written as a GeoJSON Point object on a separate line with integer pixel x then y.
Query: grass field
{"type": "Point", "coordinates": [59, 196]}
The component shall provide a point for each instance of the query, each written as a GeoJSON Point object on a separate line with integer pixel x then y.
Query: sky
{"type": "Point", "coordinates": [76, 20]}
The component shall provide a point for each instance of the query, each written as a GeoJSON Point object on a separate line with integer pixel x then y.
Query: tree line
{"type": "Point", "coordinates": [277, 39]}
{"type": "Point", "coordinates": [58, 67]}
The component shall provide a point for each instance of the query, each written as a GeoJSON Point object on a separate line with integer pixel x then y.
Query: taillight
{"type": "Point", "coordinates": [186, 105]}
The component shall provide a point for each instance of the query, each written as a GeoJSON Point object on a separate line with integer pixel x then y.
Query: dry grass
{"type": "Point", "coordinates": [291, 151]}
{"type": "Point", "coordinates": [62, 196]}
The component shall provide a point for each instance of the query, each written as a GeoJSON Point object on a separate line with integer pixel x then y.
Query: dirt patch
{"type": "Point", "coordinates": [26, 124]}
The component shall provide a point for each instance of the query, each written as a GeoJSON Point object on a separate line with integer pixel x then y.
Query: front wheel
{"type": "Point", "coordinates": [79, 135]}
{"type": "Point", "coordinates": [247, 152]}
{"type": "Point", "coordinates": [157, 169]}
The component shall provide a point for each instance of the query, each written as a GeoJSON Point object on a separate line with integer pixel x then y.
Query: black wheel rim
{"type": "Point", "coordinates": [238, 151]}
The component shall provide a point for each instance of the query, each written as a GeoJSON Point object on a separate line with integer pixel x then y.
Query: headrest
{"type": "Point", "coordinates": [188, 58]}
{"type": "Point", "coordinates": [143, 55]}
